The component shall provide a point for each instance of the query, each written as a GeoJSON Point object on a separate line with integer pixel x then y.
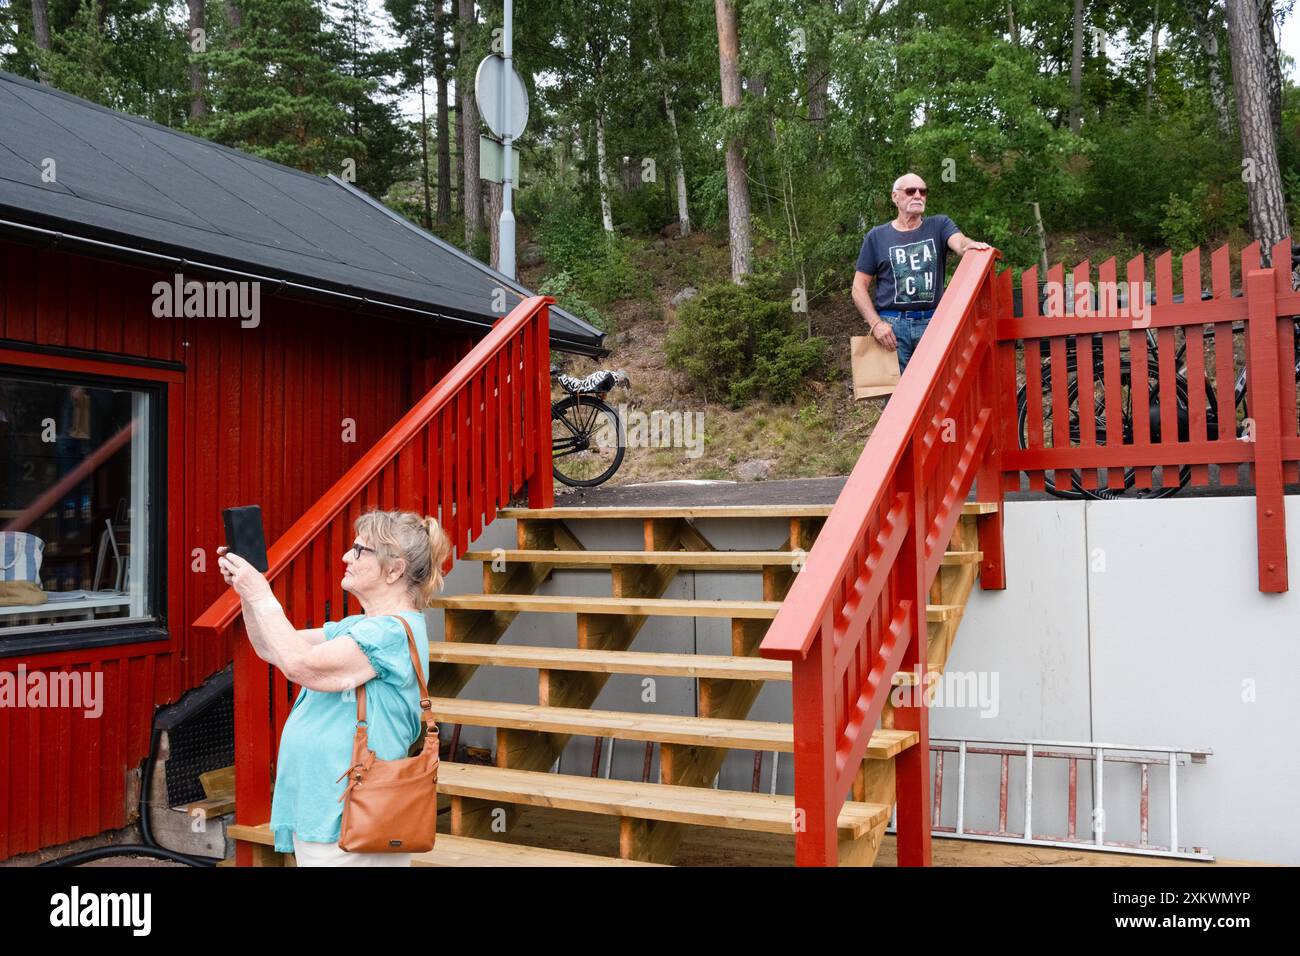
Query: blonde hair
{"type": "Point", "coordinates": [419, 541]}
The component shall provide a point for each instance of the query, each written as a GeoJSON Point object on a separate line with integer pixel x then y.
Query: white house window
{"type": "Point", "coordinates": [76, 475]}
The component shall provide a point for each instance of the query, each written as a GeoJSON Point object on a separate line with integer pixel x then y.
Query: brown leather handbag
{"type": "Point", "coordinates": [391, 806]}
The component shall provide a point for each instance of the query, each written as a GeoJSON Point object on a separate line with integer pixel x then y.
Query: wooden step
{"type": "Point", "coordinates": [697, 560]}
{"type": "Point", "coordinates": [762, 735]}
{"type": "Point", "coordinates": [451, 850]}
{"type": "Point", "coordinates": [704, 806]}
{"type": "Point", "coordinates": [666, 607]}
{"type": "Point", "coordinates": [659, 607]}
{"type": "Point", "coordinates": [714, 511]}
{"type": "Point", "coordinates": [610, 662]}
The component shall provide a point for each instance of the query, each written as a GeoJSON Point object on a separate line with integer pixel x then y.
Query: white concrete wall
{"type": "Point", "coordinates": [1141, 622]}
{"type": "Point", "coordinates": [1122, 622]}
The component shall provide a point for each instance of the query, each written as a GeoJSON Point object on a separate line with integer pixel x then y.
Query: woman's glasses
{"type": "Point", "coordinates": [358, 548]}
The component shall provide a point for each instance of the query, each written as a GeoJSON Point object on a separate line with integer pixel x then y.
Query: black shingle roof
{"type": "Point", "coordinates": [133, 184]}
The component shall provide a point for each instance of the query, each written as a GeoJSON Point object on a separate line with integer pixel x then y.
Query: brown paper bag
{"type": "Point", "coordinates": [875, 368]}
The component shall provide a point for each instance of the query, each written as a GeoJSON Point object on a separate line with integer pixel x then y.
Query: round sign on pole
{"type": "Point", "coordinates": [489, 83]}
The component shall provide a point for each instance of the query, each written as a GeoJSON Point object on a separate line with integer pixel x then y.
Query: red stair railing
{"type": "Point", "coordinates": [856, 613]}
{"type": "Point", "coordinates": [1224, 334]}
{"type": "Point", "coordinates": [464, 449]}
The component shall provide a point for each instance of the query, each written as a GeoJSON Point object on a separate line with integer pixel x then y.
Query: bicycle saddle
{"type": "Point", "coordinates": [601, 381]}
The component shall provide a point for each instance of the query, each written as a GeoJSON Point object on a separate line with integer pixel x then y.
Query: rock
{"type": "Point", "coordinates": [671, 231]}
{"type": "Point", "coordinates": [685, 295]}
{"type": "Point", "coordinates": [756, 469]}
{"type": "Point", "coordinates": [530, 254]}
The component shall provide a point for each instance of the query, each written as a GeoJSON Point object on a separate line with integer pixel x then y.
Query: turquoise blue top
{"type": "Point", "coordinates": [316, 745]}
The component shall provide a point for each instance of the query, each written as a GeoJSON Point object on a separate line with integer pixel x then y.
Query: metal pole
{"type": "Point", "coordinates": [961, 786]}
{"type": "Point", "coordinates": [507, 227]}
{"type": "Point", "coordinates": [1098, 810]}
{"type": "Point", "coordinates": [1173, 803]}
{"type": "Point", "coordinates": [1029, 791]}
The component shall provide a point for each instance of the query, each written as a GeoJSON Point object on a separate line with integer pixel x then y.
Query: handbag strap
{"type": "Point", "coordinates": [426, 702]}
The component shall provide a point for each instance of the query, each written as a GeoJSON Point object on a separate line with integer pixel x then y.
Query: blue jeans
{"type": "Point", "coordinates": [908, 328]}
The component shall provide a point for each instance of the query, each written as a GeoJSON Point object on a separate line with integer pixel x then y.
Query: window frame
{"type": "Point", "coordinates": [166, 386]}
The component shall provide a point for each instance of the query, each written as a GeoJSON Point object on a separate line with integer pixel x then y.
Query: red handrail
{"type": "Point", "coordinates": [460, 453]}
{"type": "Point", "coordinates": [856, 612]}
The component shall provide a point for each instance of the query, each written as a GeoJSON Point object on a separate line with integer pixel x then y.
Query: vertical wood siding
{"type": "Point", "coordinates": [262, 422]}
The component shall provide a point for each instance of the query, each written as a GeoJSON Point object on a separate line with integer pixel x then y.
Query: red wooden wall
{"type": "Point", "coordinates": [254, 416]}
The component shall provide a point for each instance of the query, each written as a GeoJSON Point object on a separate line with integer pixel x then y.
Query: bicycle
{"type": "Point", "coordinates": [587, 437]}
{"type": "Point", "coordinates": [1077, 489]}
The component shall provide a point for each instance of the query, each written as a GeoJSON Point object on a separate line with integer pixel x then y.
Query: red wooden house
{"type": "Point", "coordinates": [183, 328]}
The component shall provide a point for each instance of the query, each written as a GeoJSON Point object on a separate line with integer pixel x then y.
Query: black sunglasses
{"type": "Point", "coordinates": [913, 190]}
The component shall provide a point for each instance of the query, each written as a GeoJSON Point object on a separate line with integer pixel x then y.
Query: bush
{"type": "Point", "coordinates": [1204, 213]}
{"type": "Point", "coordinates": [561, 286]}
{"type": "Point", "coordinates": [600, 267]}
{"type": "Point", "coordinates": [736, 345]}
{"type": "Point", "coordinates": [644, 211]}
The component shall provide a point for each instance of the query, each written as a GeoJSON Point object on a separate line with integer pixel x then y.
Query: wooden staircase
{"type": "Point", "coordinates": [653, 816]}
{"type": "Point", "coordinates": [836, 633]}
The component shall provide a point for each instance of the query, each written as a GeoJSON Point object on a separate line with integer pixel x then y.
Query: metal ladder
{"type": "Point", "coordinates": [1092, 753]}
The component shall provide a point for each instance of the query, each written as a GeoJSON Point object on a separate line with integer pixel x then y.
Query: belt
{"type": "Point", "coordinates": [900, 313]}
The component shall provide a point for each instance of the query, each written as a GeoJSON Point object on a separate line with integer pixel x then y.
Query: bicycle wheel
{"type": "Point", "coordinates": [587, 441]}
{"type": "Point", "coordinates": [1103, 433]}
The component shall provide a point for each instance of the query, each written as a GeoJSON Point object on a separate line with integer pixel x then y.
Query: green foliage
{"type": "Point", "coordinates": [643, 211]}
{"type": "Point", "coordinates": [1201, 213]}
{"type": "Point", "coordinates": [134, 61]}
{"type": "Point", "coordinates": [601, 267]}
{"type": "Point", "coordinates": [735, 345]}
{"type": "Point", "coordinates": [281, 93]}
{"type": "Point", "coordinates": [562, 286]}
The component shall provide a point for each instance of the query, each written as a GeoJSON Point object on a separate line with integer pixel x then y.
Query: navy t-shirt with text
{"type": "Point", "coordinates": [908, 266]}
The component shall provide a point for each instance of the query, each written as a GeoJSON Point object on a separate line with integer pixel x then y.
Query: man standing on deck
{"type": "Point", "coordinates": [908, 256]}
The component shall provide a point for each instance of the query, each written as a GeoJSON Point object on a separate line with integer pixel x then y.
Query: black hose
{"type": "Point", "coordinates": [150, 847]}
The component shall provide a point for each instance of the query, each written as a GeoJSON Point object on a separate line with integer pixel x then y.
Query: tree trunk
{"type": "Point", "coordinates": [424, 145]}
{"type": "Point", "coordinates": [444, 133]}
{"type": "Point", "coordinates": [41, 30]}
{"type": "Point", "coordinates": [41, 23]}
{"type": "Point", "coordinates": [819, 76]}
{"type": "Point", "coordinates": [683, 210]}
{"type": "Point", "coordinates": [1250, 79]}
{"type": "Point", "coordinates": [234, 20]}
{"type": "Point", "coordinates": [459, 151]}
{"type": "Point", "coordinates": [1076, 70]}
{"type": "Point", "coordinates": [472, 190]}
{"type": "Point", "coordinates": [493, 224]}
{"type": "Point", "coordinates": [602, 176]}
{"type": "Point", "coordinates": [1198, 11]}
{"type": "Point", "coordinates": [737, 183]}
{"type": "Point", "coordinates": [1154, 52]}
{"type": "Point", "coordinates": [1012, 30]}
{"type": "Point", "coordinates": [1273, 66]}
{"type": "Point", "coordinates": [198, 75]}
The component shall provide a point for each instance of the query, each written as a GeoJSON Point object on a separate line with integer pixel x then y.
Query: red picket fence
{"type": "Point", "coordinates": [856, 613]}
{"type": "Point", "coordinates": [1159, 389]}
{"type": "Point", "coordinates": [459, 454]}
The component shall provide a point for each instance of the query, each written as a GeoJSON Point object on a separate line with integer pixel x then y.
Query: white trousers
{"type": "Point", "coordinates": [329, 854]}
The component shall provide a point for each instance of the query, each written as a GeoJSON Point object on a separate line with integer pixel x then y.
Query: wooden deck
{"type": "Point", "coordinates": [585, 833]}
